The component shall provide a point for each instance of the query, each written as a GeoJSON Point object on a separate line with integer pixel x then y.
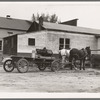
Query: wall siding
{"type": "Point", "coordinates": [76, 40]}
{"type": "Point", "coordinates": [40, 41]}
{"type": "Point", "coordinates": [50, 40]}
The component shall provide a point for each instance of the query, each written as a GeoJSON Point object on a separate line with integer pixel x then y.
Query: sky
{"type": "Point", "coordinates": [87, 13]}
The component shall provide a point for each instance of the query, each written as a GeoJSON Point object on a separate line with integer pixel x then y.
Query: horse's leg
{"type": "Point", "coordinates": [75, 66]}
{"type": "Point", "coordinates": [71, 67]}
{"type": "Point", "coordinates": [84, 64]}
{"type": "Point", "coordinates": [72, 63]}
{"type": "Point", "coordinates": [80, 64]}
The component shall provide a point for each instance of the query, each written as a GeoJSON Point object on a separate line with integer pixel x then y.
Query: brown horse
{"type": "Point", "coordinates": [81, 55]}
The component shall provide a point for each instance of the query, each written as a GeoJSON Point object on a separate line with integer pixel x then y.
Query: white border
{"type": "Point", "coordinates": [50, 95]}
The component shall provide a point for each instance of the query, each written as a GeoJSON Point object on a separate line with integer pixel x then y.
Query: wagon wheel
{"type": "Point", "coordinates": [55, 66]}
{"type": "Point", "coordinates": [8, 66]}
{"type": "Point", "coordinates": [22, 66]}
{"type": "Point", "coordinates": [42, 67]}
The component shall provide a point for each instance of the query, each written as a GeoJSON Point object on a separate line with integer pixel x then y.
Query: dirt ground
{"type": "Point", "coordinates": [67, 81]}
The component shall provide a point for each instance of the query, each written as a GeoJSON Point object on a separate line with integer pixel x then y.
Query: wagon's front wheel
{"type": "Point", "coordinates": [22, 66]}
{"type": "Point", "coordinates": [55, 66]}
{"type": "Point", "coordinates": [8, 66]}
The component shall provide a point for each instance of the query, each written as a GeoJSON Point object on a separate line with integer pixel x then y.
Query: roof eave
{"type": "Point", "coordinates": [12, 29]}
{"type": "Point", "coordinates": [86, 33]}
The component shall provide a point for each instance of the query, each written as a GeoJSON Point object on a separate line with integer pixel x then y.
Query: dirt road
{"type": "Point", "coordinates": [63, 81]}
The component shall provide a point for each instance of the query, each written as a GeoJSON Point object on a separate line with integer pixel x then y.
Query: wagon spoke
{"type": "Point", "coordinates": [8, 66]}
{"type": "Point", "coordinates": [55, 65]}
{"type": "Point", "coordinates": [22, 65]}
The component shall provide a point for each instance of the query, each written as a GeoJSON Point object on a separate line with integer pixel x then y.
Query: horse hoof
{"type": "Point", "coordinates": [76, 68]}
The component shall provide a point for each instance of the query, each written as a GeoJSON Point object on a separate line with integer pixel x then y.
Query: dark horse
{"type": "Point", "coordinates": [81, 55]}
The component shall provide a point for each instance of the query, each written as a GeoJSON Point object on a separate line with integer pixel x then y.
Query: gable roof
{"type": "Point", "coordinates": [25, 25]}
{"type": "Point", "coordinates": [34, 27]}
{"type": "Point", "coordinates": [63, 28]}
{"type": "Point", "coordinates": [69, 28]}
{"type": "Point", "coordinates": [14, 24]}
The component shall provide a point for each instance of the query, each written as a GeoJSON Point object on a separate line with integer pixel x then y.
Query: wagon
{"type": "Point", "coordinates": [39, 58]}
{"type": "Point", "coordinates": [95, 60]}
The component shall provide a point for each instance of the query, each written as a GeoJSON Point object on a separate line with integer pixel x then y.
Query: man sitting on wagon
{"type": "Point", "coordinates": [44, 51]}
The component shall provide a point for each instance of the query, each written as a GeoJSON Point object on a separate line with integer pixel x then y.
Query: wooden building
{"type": "Point", "coordinates": [52, 36]}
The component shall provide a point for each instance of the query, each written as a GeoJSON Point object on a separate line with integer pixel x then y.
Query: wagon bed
{"type": "Point", "coordinates": [22, 63]}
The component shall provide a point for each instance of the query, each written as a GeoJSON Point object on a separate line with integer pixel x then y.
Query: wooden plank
{"type": "Point", "coordinates": [96, 50]}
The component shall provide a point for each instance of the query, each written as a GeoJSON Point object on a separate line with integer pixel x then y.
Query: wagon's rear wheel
{"type": "Point", "coordinates": [42, 67]}
{"type": "Point", "coordinates": [22, 66]}
{"type": "Point", "coordinates": [8, 66]}
{"type": "Point", "coordinates": [55, 66]}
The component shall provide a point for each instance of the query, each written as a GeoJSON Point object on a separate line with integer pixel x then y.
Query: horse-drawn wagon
{"type": "Point", "coordinates": [40, 58]}
{"type": "Point", "coordinates": [13, 46]}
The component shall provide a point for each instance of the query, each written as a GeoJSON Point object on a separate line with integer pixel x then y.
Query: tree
{"type": "Point", "coordinates": [53, 18]}
{"type": "Point", "coordinates": [46, 17]}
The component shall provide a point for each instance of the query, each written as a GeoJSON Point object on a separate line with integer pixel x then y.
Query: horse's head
{"type": "Point", "coordinates": [88, 50]}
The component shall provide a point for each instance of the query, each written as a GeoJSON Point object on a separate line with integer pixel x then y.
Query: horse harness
{"type": "Point", "coordinates": [83, 56]}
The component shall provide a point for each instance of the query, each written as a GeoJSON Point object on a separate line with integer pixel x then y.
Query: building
{"type": "Point", "coordinates": [53, 36]}
{"type": "Point", "coordinates": [10, 26]}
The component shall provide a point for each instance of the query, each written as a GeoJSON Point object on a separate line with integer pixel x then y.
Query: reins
{"type": "Point", "coordinates": [83, 56]}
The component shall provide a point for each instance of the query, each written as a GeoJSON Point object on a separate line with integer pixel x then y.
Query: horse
{"type": "Point", "coordinates": [76, 54]}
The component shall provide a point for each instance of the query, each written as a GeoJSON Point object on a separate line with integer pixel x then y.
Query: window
{"type": "Point", "coordinates": [67, 43]}
{"type": "Point", "coordinates": [64, 42]}
{"type": "Point", "coordinates": [31, 41]}
{"type": "Point", "coordinates": [61, 43]}
{"type": "Point", "coordinates": [0, 44]}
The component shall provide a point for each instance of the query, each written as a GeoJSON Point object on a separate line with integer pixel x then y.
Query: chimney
{"type": "Point", "coordinates": [7, 16]}
{"type": "Point", "coordinates": [40, 22]}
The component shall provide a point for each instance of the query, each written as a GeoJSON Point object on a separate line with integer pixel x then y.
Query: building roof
{"type": "Point", "coordinates": [68, 28]}
{"type": "Point", "coordinates": [14, 24]}
{"type": "Point", "coordinates": [72, 22]}
{"type": "Point", "coordinates": [25, 25]}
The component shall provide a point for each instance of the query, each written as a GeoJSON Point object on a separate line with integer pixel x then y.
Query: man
{"type": "Point", "coordinates": [63, 54]}
{"type": "Point", "coordinates": [44, 51]}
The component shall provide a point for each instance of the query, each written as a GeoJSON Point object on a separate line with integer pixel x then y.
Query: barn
{"type": "Point", "coordinates": [53, 36]}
